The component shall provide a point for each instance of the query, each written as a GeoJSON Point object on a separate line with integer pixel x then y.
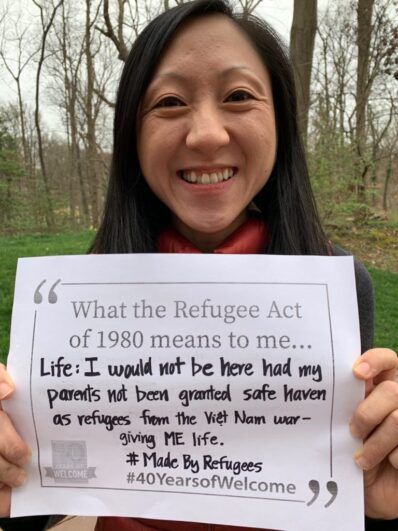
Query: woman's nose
{"type": "Point", "coordinates": [207, 131]}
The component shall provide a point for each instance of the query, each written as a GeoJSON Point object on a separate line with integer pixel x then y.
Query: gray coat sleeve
{"type": "Point", "coordinates": [365, 297]}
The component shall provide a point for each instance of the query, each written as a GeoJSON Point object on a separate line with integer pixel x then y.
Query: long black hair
{"type": "Point", "coordinates": [133, 214]}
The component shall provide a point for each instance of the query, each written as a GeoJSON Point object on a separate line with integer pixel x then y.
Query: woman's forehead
{"type": "Point", "coordinates": [209, 42]}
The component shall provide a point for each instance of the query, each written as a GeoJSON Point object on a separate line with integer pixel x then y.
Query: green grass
{"type": "Point", "coordinates": [386, 283]}
{"type": "Point", "coordinates": [12, 248]}
{"type": "Point", "coordinates": [386, 291]}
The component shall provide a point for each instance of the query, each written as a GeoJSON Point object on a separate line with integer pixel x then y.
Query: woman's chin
{"type": "Point", "coordinates": [214, 228]}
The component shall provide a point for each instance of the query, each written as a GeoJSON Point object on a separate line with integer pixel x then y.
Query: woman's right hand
{"type": "Point", "coordinates": [14, 452]}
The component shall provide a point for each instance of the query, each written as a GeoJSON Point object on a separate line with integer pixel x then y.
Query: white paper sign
{"type": "Point", "coordinates": [196, 388]}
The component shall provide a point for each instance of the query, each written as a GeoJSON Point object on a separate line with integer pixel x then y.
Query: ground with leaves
{"type": "Point", "coordinates": [374, 243]}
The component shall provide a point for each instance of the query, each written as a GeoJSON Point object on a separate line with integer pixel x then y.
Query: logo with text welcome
{"type": "Point", "coordinates": [70, 462]}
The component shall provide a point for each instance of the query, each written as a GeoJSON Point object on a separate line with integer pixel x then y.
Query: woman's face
{"type": "Point", "coordinates": [207, 137]}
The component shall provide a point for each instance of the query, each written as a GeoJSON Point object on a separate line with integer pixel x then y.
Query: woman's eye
{"type": "Point", "coordinates": [239, 95]}
{"type": "Point", "coordinates": [170, 101]}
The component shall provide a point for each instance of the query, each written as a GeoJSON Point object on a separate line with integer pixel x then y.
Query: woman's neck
{"type": "Point", "coordinates": [207, 242]}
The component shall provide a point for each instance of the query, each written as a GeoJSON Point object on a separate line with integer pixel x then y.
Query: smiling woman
{"type": "Point", "coordinates": [207, 158]}
{"type": "Point", "coordinates": [206, 116]}
{"type": "Point", "coordinates": [204, 93]}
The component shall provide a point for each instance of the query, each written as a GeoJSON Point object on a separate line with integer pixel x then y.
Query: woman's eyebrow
{"type": "Point", "coordinates": [230, 69]}
{"type": "Point", "coordinates": [165, 75]}
{"type": "Point", "coordinates": [174, 75]}
{"type": "Point", "coordinates": [184, 79]}
{"type": "Point", "coordinates": [247, 70]}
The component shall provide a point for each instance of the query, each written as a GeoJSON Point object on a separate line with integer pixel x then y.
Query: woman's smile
{"type": "Point", "coordinates": [207, 136]}
{"type": "Point", "coordinates": [207, 175]}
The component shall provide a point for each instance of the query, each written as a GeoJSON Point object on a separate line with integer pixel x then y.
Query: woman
{"type": "Point", "coordinates": [207, 158]}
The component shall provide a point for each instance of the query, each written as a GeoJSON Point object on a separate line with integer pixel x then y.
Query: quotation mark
{"type": "Point", "coordinates": [331, 486]}
{"type": "Point", "coordinates": [52, 296]}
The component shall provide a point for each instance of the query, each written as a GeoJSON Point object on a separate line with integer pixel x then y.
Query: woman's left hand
{"type": "Point", "coordinates": [376, 422]}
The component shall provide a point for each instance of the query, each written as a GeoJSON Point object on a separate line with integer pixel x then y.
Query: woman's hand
{"type": "Point", "coordinates": [376, 422]}
{"type": "Point", "coordinates": [14, 452]}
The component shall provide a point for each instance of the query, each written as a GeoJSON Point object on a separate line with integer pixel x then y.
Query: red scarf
{"type": "Point", "coordinates": [250, 238]}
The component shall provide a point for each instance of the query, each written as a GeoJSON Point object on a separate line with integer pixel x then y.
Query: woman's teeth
{"type": "Point", "coordinates": [207, 178]}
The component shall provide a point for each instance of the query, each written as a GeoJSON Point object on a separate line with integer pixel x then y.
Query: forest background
{"type": "Point", "coordinates": [68, 55]}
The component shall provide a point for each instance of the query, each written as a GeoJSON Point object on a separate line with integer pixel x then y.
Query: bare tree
{"type": "Point", "coordinates": [115, 34]}
{"type": "Point", "coordinates": [68, 54]}
{"type": "Point", "coordinates": [364, 20]}
{"type": "Point", "coordinates": [332, 138]}
{"type": "Point", "coordinates": [91, 110]}
{"type": "Point", "coordinates": [302, 38]}
{"type": "Point", "coordinates": [392, 163]}
{"type": "Point", "coordinates": [130, 15]}
{"type": "Point", "coordinates": [22, 61]}
{"type": "Point", "coordinates": [379, 122]}
{"type": "Point", "coordinates": [248, 6]}
{"type": "Point", "coordinates": [46, 26]}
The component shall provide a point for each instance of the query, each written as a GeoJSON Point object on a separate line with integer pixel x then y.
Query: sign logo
{"type": "Point", "coordinates": [70, 463]}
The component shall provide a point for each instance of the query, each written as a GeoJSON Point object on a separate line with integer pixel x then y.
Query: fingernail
{"type": "Point", "coordinates": [354, 431]}
{"type": "Point", "coordinates": [360, 459]}
{"type": "Point", "coordinates": [363, 369]}
{"type": "Point", "coordinates": [5, 390]}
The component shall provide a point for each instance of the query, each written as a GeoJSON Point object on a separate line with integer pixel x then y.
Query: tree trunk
{"type": "Point", "coordinates": [46, 28]}
{"type": "Point", "coordinates": [92, 152]}
{"type": "Point", "coordinates": [364, 18]}
{"type": "Point", "coordinates": [386, 183]}
{"type": "Point", "coordinates": [302, 39]}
